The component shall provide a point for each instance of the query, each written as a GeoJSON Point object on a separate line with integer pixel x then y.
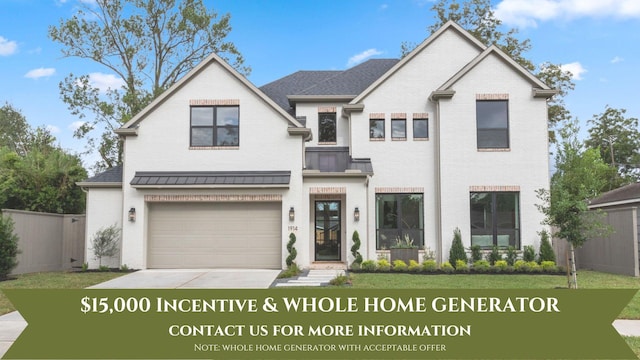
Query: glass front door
{"type": "Point", "coordinates": [328, 230]}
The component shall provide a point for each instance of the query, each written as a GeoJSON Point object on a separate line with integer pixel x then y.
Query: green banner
{"type": "Point", "coordinates": [320, 324]}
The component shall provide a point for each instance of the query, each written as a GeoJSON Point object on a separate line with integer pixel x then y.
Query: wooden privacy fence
{"type": "Point", "coordinates": [48, 242]}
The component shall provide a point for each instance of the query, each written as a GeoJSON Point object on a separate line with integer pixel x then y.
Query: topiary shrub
{"type": "Point", "coordinates": [529, 253]}
{"type": "Point", "coordinates": [548, 266]}
{"type": "Point", "coordinates": [494, 255]}
{"type": "Point", "coordinates": [369, 265]}
{"type": "Point", "coordinates": [383, 265]}
{"type": "Point", "coordinates": [354, 250]}
{"type": "Point", "coordinates": [292, 250]}
{"type": "Point", "coordinates": [430, 266]}
{"type": "Point", "coordinates": [462, 266]}
{"type": "Point", "coordinates": [546, 250]}
{"type": "Point", "coordinates": [8, 247]}
{"type": "Point", "coordinates": [447, 267]}
{"type": "Point", "coordinates": [399, 266]}
{"type": "Point", "coordinates": [476, 253]}
{"type": "Point", "coordinates": [414, 266]}
{"type": "Point", "coordinates": [511, 256]}
{"type": "Point", "coordinates": [457, 249]}
{"type": "Point", "coordinates": [481, 266]}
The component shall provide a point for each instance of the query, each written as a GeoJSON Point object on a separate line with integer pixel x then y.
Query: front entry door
{"type": "Point", "coordinates": [328, 230]}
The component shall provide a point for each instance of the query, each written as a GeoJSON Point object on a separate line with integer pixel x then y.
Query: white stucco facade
{"type": "Point", "coordinates": [440, 81]}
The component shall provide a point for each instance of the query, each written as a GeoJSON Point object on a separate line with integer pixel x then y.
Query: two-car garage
{"type": "Point", "coordinates": [214, 235]}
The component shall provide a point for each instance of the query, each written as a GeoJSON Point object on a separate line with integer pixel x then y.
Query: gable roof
{"type": "Point", "coordinates": [110, 178]}
{"type": "Point", "coordinates": [623, 195]}
{"type": "Point", "coordinates": [293, 84]}
{"type": "Point", "coordinates": [449, 25]}
{"type": "Point", "coordinates": [494, 50]}
{"type": "Point", "coordinates": [130, 128]}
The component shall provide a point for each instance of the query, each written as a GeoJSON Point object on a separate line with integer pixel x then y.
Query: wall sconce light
{"type": "Point", "coordinates": [292, 214]}
{"type": "Point", "coordinates": [356, 214]}
{"type": "Point", "coordinates": [132, 214]}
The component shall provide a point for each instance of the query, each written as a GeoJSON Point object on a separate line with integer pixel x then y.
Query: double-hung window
{"type": "Point", "coordinates": [213, 126]}
{"type": "Point", "coordinates": [327, 128]}
{"type": "Point", "coordinates": [492, 118]}
{"type": "Point", "coordinates": [399, 216]}
{"type": "Point", "coordinates": [495, 219]}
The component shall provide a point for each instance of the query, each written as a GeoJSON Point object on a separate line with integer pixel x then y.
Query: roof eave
{"type": "Point", "coordinates": [441, 94]}
{"type": "Point", "coordinates": [544, 93]}
{"type": "Point", "coordinates": [293, 99]}
{"type": "Point", "coordinates": [347, 173]}
{"type": "Point", "coordinates": [614, 203]}
{"type": "Point", "coordinates": [127, 131]}
{"type": "Point", "coordinates": [351, 108]}
{"type": "Point", "coordinates": [214, 186]}
{"type": "Point", "coordinates": [95, 184]}
{"type": "Point", "coordinates": [304, 132]}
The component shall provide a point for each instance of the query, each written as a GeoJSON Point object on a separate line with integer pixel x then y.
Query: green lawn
{"type": "Point", "coordinates": [52, 280]}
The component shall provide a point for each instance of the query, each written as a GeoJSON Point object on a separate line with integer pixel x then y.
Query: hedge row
{"type": "Point", "coordinates": [462, 267]}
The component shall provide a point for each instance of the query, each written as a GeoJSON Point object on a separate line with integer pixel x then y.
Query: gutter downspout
{"type": "Point", "coordinates": [438, 189]}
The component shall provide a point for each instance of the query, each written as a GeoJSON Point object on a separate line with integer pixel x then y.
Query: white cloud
{"type": "Point", "coordinates": [53, 129]}
{"type": "Point", "coordinates": [617, 59]}
{"type": "Point", "coordinates": [527, 13]}
{"type": "Point", "coordinates": [358, 58]}
{"type": "Point", "coordinates": [7, 47]}
{"type": "Point", "coordinates": [383, 7]}
{"type": "Point", "coordinates": [575, 68]}
{"type": "Point", "coordinates": [105, 81]}
{"type": "Point", "coordinates": [75, 125]}
{"type": "Point", "coordinates": [40, 73]}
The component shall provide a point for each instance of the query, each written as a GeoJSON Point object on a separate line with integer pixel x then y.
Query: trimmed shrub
{"type": "Point", "coordinates": [399, 265]}
{"type": "Point", "coordinates": [447, 267]}
{"type": "Point", "coordinates": [494, 255]}
{"type": "Point", "coordinates": [357, 261]}
{"type": "Point", "coordinates": [533, 267]}
{"type": "Point", "coordinates": [8, 247]}
{"type": "Point", "coordinates": [457, 250]}
{"type": "Point", "coordinates": [369, 265]}
{"type": "Point", "coordinates": [482, 266]}
{"type": "Point", "coordinates": [414, 266]}
{"type": "Point", "coordinates": [529, 253]}
{"type": "Point", "coordinates": [462, 266]}
{"type": "Point", "coordinates": [292, 250]}
{"type": "Point", "coordinates": [476, 253]}
{"type": "Point", "coordinates": [430, 266]}
{"type": "Point", "coordinates": [520, 266]}
{"type": "Point", "coordinates": [383, 265]}
{"type": "Point", "coordinates": [501, 266]}
{"type": "Point", "coordinates": [546, 250]}
{"type": "Point", "coordinates": [548, 266]}
{"type": "Point", "coordinates": [511, 256]}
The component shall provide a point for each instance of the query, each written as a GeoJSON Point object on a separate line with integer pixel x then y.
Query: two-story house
{"type": "Point", "coordinates": [218, 172]}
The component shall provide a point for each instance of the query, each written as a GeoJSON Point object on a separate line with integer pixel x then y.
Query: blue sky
{"type": "Point", "coordinates": [598, 40]}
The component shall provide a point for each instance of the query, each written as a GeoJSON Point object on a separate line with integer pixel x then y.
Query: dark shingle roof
{"type": "Point", "coordinates": [625, 193]}
{"type": "Point", "coordinates": [110, 176]}
{"type": "Point", "coordinates": [352, 81]}
{"type": "Point", "coordinates": [210, 178]}
{"type": "Point", "coordinates": [335, 159]}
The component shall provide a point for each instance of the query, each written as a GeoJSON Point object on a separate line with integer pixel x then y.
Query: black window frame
{"type": "Point", "coordinates": [375, 121]}
{"type": "Point", "coordinates": [484, 128]}
{"type": "Point", "coordinates": [214, 126]}
{"type": "Point", "coordinates": [333, 133]}
{"type": "Point", "coordinates": [402, 226]}
{"type": "Point", "coordinates": [404, 121]}
{"type": "Point", "coordinates": [495, 230]}
{"type": "Point", "coordinates": [426, 120]}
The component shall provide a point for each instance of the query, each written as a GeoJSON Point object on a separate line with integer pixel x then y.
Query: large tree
{"type": "Point", "coordinates": [14, 129]}
{"type": "Point", "coordinates": [149, 45]}
{"type": "Point", "coordinates": [477, 17]}
{"type": "Point", "coordinates": [617, 138]}
{"type": "Point", "coordinates": [580, 175]}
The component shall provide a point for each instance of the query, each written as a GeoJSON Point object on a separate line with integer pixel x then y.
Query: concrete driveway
{"type": "Point", "coordinates": [193, 279]}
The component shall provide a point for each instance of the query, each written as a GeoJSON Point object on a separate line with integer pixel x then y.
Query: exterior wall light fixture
{"type": "Point", "coordinates": [292, 214]}
{"type": "Point", "coordinates": [356, 214]}
{"type": "Point", "coordinates": [132, 214]}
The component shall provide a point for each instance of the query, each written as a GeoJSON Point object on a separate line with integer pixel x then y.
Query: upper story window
{"type": "Point", "coordinates": [327, 128]}
{"type": "Point", "coordinates": [421, 128]}
{"type": "Point", "coordinates": [398, 129]}
{"type": "Point", "coordinates": [492, 118]}
{"type": "Point", "coordinates": [215, 126]}
{"type": "Point", "coordinates": [376, 126]}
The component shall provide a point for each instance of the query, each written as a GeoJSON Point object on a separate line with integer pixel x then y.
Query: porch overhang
{"type": "Point", "coordinates": [211, 179]}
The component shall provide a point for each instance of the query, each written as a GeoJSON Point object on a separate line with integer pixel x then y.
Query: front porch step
{"type": "Point", "coordinates": [328, 265]}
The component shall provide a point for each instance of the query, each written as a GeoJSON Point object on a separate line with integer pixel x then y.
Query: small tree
{"type": "Point", "coordinates": [354, 250]}
{"type": "Point", "coordinates": [476, 253]}
{"type": "Point", "coordinates": [292, 250]}
{"type": "Point", "coordinates": [105, 243]}
{"type": "Point", "coordinates": [457, 249]}
{"type": "Point", "coordinates": [8, 247]}
{"type": "Point", "coordinates": [546, 250]}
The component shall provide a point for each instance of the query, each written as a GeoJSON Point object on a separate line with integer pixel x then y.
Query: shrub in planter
{"type": "Point", "coordinates": [447, 267]}
{"type": "Point", "coordinates": [457, 250]}
{"type": "Point", "coordinates": [494, 255]}
{"type": "Point", "coordinates": [511, 256]}
{"type": "Point", "coordinates": [368, 265]}
{"type": "Point", "coordinates": [482, 266]}
{"type": "Point", "coordinates": [529, 253]}
{"type": "Point", "coordinates": [383, 265]}
{"type": "Point", "coordinates": [546, 250]}
{"type": "Point", "coordinates": [549, 266]}
{"type": "Point", "coordinates": [462, 266]}
{"type": "Point", "coordinates": [520, 266]}
{"type": "Point", "coordinates": [476, 253]}
{"type": "Point", "coordinates": [414, 266]}
{"type": "Point", "coordinates": [533, 267]}
{"type": "Point", "coordinates": [430, 266]}
{"type": "Point", "coordinates": [399, 266]}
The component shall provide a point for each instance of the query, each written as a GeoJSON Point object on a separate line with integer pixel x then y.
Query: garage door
{"type": "Point", "coordinates": [215, 235]}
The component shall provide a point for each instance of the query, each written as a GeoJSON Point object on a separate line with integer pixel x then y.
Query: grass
{"type": "Point", "coordinates": [52, 280]}
{"type": "Point", "coordinates": [586, 280]}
